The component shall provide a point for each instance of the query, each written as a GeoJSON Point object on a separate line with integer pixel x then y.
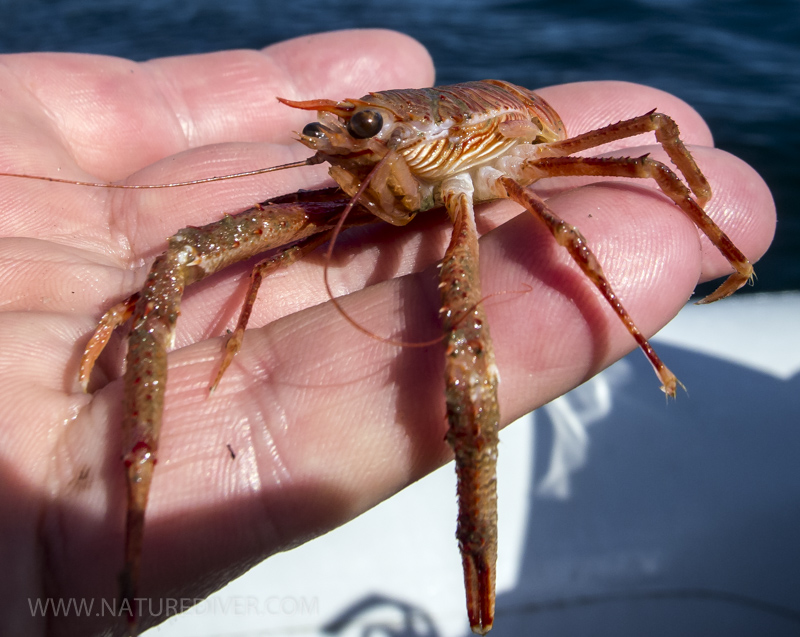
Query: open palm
{"type": "Point", "coordinates": [314, 422]}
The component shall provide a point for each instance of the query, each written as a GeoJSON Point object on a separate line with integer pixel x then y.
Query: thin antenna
{"type": "Point", "coordinates": [91, 184]}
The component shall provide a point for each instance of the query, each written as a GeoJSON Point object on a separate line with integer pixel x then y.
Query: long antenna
{"type": "Point", "coordinates": [91, 184]}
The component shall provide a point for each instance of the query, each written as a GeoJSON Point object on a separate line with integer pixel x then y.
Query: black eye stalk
{"type": "Point", "coordinates": [365, 124]}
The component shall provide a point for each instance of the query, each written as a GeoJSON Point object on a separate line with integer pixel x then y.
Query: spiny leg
{"type": "Point", "coordinates": [155, 316]}
{"type": "Point", "coordinates": [667, 134]}
{"type": "Point", "coordinates": [325, 203]}
{"type": "Point", "coordinates": [193, 254]}
{"type": "Point", "coordinates": [569, 237]}
{"type": "Point", "coordinates": [472, 410]}
{"type": "Point", "coordinates": [670, 185]}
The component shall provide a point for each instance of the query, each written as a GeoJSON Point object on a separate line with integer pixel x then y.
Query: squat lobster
{"type": "Point", "coordinates": [395, 154]}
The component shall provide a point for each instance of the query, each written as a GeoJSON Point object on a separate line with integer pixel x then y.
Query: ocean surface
{"type": "Point", "coordinates": [736, 62]}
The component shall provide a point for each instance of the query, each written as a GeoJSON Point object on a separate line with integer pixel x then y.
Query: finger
{"type": "Point", "coordinates": [742, 206]}
{"type": "Point", "coordinates": [229, 108]}
{"type": "Point", "coordinates": [585, 106]}
{"type": "Point", "coordinates": [117, 116]}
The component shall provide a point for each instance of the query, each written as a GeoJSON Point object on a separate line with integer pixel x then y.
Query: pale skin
{"type": "Point", "coordinates": [325, 422]}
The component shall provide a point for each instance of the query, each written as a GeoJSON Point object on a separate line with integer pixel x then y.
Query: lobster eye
{"type": "Point", "coordinates": [315, 129]}
{"type": "Point", "coordinates": [365, 124]}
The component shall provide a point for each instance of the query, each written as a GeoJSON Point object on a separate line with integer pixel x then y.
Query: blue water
{"type": "Point", "coordinates": [737, 62]}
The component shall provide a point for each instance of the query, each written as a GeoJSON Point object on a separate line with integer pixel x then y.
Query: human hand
{"type": "Point", "coordinates": [324, 421]}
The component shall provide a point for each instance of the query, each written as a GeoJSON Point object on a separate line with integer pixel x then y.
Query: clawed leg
{"type": "Point", "coordinates": [472, 410]}
{"type": "Point", "coordinates": [110, 321]}
{"type": "Point", "coordinates": [193, 253]}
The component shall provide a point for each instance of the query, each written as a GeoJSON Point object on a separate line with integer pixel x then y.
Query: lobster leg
{"type": "Point", "coordinates": [670, 185]}
{"type": "Point", "coordinates": [569, 237]}
{"type": "Point", "coordinates": [111, 320]}
{"type": "Point", "coordinates": [261, 270]}
{"type": "Point", "coordinates": [667, 134]}
{"type": "Point", "coordinates": [471, 391]}
{"type": "Point", "coordinates": [193, 254]}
